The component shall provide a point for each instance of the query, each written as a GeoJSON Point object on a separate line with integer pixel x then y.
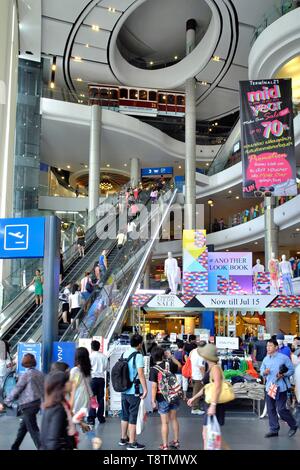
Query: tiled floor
{"type": "Point", "coordinates": [242, 431]}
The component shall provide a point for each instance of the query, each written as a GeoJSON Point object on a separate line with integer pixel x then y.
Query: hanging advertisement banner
{"type": "Point", "coordinates": [230, 273]}
{"type": "Point", "coordinates": [236, 301]}
{"type": "Point", "coordinates": [195, 273]}
{"type": "Point", "coordinates": [268, 156]}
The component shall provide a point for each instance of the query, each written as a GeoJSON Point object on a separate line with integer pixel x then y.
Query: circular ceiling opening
{"type": "Point", "coordinates": [153, 37]}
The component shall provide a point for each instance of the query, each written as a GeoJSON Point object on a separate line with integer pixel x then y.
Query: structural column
{"type": "Point", "coordinates": [271, 246]}
{"type": "Point", "coordinates": [134, 171]}
{"type": "Point", "coordinates": [94, 162]}
{"type": "Point", "coordinates": [147, 276]}
{"type": "Point", "coordinates": [190, 135]}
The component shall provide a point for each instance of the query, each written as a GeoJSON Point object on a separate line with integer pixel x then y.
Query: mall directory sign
{"type": "Point", "coordinates": [267, 134]}
{"type": "Point", "coordinates": [22, 238]}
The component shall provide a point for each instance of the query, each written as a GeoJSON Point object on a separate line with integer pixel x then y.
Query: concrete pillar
{"type": "Point", "coordinates": [134, 171]}
{"type": "Point", "coordinates": [190, 135]}
{"type": "Point", "coordinates": [94, 162]}
{"type": "Point", "coordinates": [271, 246]}
{"type": "Point", "coordinates": [147, 276]}
{"type": "Point", "coordinates": [189, 325]}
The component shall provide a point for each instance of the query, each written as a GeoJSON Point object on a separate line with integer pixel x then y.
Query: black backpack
{"type": "Point", "coordinates": [120, 373]}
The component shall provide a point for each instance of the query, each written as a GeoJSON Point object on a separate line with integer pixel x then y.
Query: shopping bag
{"type": "Point", "coordinates": [213, 436]}
{"type": "Point", "coordinates": [141, 418]}
{"type": "Point", "coordinates": [274, 391]}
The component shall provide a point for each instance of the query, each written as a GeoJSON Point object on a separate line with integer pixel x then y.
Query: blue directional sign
{"type": "Point", "coordinates": [165, 170]}
{"type": "Point", "coordinates": [22, 238]}
{"type": "Point", "coordinates": [64, 352]}
{"type": "Point", "coordinates": [33, 348]}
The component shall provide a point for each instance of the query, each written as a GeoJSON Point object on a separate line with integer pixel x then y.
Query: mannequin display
{"type": "Point", "coordinates": [258, 268]}
{"type": "Point", "coordinates": [171, 271]}
{"type": "Point", "coordinates": [274, 273]}
{"type": "Point", "coordinates": [286, 273]}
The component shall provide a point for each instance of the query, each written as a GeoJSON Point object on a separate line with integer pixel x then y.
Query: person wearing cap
{"type": "Point", "coordinates": [214, 375]}
{"type": "Point", "coordinates": [282, 348]}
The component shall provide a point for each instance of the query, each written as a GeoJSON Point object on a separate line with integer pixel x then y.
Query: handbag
{"type": "Point", "coordinates": [226, 395]}
{"type": "Point", "coordinates": [93, 403]}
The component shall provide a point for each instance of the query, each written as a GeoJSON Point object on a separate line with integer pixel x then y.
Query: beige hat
{"type": "Point", "coordinates": [209, 352]}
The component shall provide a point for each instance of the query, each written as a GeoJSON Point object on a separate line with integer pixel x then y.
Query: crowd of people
{"type": "Point", "coordinates": [71, 400]}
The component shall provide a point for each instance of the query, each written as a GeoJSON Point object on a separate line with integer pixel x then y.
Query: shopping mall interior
{"type": "Point", "coordinates": [115, 111]}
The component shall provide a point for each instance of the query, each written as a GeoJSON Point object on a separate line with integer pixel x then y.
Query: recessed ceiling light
{"type": "Point", "coordinates": [112, 10]}
{"type": "Point", "coordinates": [53, 68]}
{"type": "Point", "coordinates": [62, 177]}
{"type": "Point", "coordinates": [68, 166]}
{"type": "Point", "coordinates": [82, 95]}
{"type": "Point", "coordinates": [175, 57]}
{"type": "Point", "coordinates": [207, 164]}
{"type": "Point", "coordinates": [86, 166]}
{"type": "Point", "coordinates": [125, 164]}
{"type": "Point", "coordinates": [237, 197]}
{"type": "Point", "coordinates": [255, 243]}
{"type": "Point", "coordinates": [108, 165]}
{"type": "Point", "coordinates": [298, 252]}
{"type": "Point", "coordinates": [87, 45]}
{"type": "Point", "coordinates": [180, 167]}
{"type": "Point", "coordinates": [216, 123]}
{"type": "Point", "coordinates": [227, 250]}
{"type": "Point", "coordinates": [77, 59]}
{"type": "Point", "coordinates": [78, 79]}
{"type": "Point", "coordinates": [59, 169]}
{"type": "Point", "coordinates": [229, 192]}
{"type": "Point", "coordinates": [297, 229]}
{"type": "Point", "coordinates": [203, 83]}
{"type": "Point", "coordinates": [210, 130]}
{"type": "Point", "coordinates": [151, 62]}
{"type": "Point", "coordinates": [69, 185]}
{"type": "Point", "coordinates": [95, 27]}
{"type": "Point", "coordinates": [216, 58]}
{"type": "Point", "coordinates": [52, 85]}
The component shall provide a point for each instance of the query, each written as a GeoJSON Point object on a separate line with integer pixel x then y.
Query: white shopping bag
{"type": "Point", "coordinates": [141, 418]}
{"type": "Point", "coordinates": [213, 437]}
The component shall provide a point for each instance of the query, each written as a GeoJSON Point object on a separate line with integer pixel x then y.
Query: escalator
{"type": "Point", "coordinates": [31, 329]}
{"type": "Point", "coordinates": [22, 308]}
{"type": "Point", "coordinates": [106, 309]}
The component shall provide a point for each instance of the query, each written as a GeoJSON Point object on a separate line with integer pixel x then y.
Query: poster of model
{"type": "Point", "coordinates": [269, 166]}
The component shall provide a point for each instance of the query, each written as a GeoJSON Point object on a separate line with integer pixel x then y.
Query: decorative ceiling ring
{"type": "Point", "coordinates": [174, 75]}
{"type": "Point", "coordinates": [234, 38]}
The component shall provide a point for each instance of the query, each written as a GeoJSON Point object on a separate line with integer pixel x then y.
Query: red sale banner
{"type": "Point", "coordinates": [269, 166]}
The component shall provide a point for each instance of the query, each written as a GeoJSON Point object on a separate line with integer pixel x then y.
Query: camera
{"type": "Point", "coordinates": [283, 369]}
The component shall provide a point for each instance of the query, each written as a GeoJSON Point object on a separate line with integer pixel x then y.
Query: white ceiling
{"type": "Point", "coordinates": [159, 25]}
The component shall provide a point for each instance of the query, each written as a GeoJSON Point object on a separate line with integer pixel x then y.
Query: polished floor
{"type": "Point", "coordinates": [242, 431]}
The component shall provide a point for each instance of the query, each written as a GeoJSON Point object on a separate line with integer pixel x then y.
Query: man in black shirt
{"type": "Point", "coordinates": [188, 347]}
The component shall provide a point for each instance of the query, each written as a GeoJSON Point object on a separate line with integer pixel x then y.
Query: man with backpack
{"type": "Point", "coordinates": [132, 363]}
{"type": "Point", "coordinates": [166, 391]}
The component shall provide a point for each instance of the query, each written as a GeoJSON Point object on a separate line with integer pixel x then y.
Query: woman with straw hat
{"type": "Point", "coordinates": [214, 375]}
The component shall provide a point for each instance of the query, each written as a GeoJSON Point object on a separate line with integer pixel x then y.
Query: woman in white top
{"type": "Point", "coordinates": [6, 362]}
{"type": "Point", "coordinates": [74, 303]}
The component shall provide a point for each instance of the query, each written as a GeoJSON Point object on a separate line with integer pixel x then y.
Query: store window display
{"type": "Point", "coordinates": [171, 271]}
{"type": "Point", "coordinates": [258, 268]}
{"type": "Point", "coordinates": [274, 274]}
{"type": "Point", "coordinates": [286, 273]}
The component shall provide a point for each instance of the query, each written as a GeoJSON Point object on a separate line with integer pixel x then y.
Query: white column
{"type": "Point", "coordinates": [134, 171]}
{"type": "Point", "coordinates": [271, 246]}
{"type": "Point", "coordinates": [147, 276]}
{"type": "Point", "coordinates": [94, 161]}
{"type": "Point", "coordinates": [190, 135]}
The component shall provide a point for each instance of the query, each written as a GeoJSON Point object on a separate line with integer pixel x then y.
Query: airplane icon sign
{"type": "Point", "coordinates": [16, 237]}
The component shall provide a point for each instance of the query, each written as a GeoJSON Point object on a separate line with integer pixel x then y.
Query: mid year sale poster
{"type": "Point", "coordinates": [268, 156]}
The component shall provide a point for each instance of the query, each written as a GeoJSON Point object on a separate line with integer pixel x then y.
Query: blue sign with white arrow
{"type": "Point", "coordinates": [22, 238]}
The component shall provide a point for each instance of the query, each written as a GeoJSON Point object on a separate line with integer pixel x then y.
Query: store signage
{"type": "Point", "coordinates": [230, 273]}
{"type": "Point", "coordinates": [268, 154]}
{"type": "Point", "coordinates": [173, 337]}
{"type": "Point", "coordinates": [29, 348]}
{"type": "Point", "coordinates": [235, 301]}
{"type": "Point", "coordinates": [288, 339]}
{"type": "Point", "coordinates": [165, 301]}
{"type": "Point", "coordinates": [165, 170]}
{"type": "Point", "coordinates": [22, 238]}
{"type": "Point", "coordinates": [64, 352]}
{"type": "Point", "coordinates": [226, 342]}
